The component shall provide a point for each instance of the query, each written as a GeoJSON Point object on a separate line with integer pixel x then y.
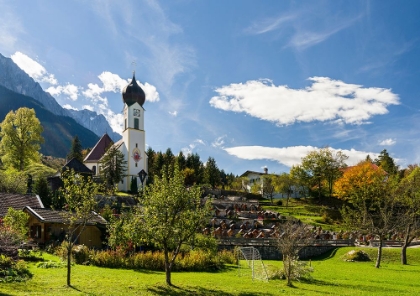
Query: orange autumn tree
{"type": "Point", "coordinates": [371, 198]}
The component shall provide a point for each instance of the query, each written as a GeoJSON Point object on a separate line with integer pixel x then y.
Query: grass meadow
{"type": "Point", "coordinates": [331, 276]}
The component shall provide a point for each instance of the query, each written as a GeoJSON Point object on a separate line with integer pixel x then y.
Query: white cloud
{"type": "Point", "coordinates": [151, 93]}
{"type": "Point", "coordinates": [302, 28]}
{"type": "Point", "coordinates": [67, 106]}
{"type": "Point", "coordinates": [269, 24]}
{"type": "Point", "coordinates": [325, 100]}
{"type": "Point", "coordinates": [387, 142]}
{"type": "Point", "coordinates": [174, 113]}
{"type": "Point", "coordinates": [69, 90]}
{"type": "Point", "coordinates": [219, 142]}
{"type": "Point", "coordinates": [10, 27]}
{"type": "Point", "coordinates": [192, 146]}
{"type": "Point", "coordinates": [163, 56]}
{"type": "Point", "coordinates": [88, 107]}
{"type": "Point", "coordinates": [33, 68]}
{"type": "Point", "coordinates": [114, 83]}
{"type": "Point", "coordinates": [290, 156]}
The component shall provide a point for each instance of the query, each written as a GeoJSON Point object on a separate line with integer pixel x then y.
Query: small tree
{"type": "Point", "coordinates": [79, 194]}
{"type": "Point", "coordinates": [17, 221]}
{"type": "Point", "coordinates": [409, 201]}
{"type": "Point", "coordinates": [133, 185]}
{"type": "Point", "coordinates": [371, 201]}
{"type": "Point", "coordinates": [169, 216]}
{"type": "Point", "coordinates": [13, 231]}
{"type": "Point", "coordinates": [41, 188]}
{"type": "Point", "coordinates": [268, 186]}
{"type": "Point", "coordinates": [285, 184]}
{"type": "Point", "coordinates": [113, 167]}
{"type": "Point", "coordinates": [20, 135]}
{"type": "Point", "coordinates": [76, 150]}
{"type": "Point", "coordinates": [211, 173]}
{"type": "Point", "coordinates": [293, 236]}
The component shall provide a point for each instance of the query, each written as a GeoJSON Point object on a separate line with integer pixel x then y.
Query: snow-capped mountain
{"type": "Point", "coordinates": [15, 79]}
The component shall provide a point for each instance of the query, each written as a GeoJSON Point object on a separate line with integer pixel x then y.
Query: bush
{"type": "Point", "coordinates": [196, 260]}
{"type": "Point", "coordinates": [13, 271]}
{"type": "Point", "coordinates": [81, 254]}
{"type": "Point", "coordinates": [51, 264]}
{"type": "Point", "coordinates": [29, 255]}
{"type": "Point", "coordinates": [279, 202]}
{"type": "Point", "coordinates": [358, 255]}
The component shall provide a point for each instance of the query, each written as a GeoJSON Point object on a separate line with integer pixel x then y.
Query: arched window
{"type": "Point", "coordinates": [136, 123]}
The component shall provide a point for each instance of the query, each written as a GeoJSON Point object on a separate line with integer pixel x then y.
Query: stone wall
{"type": "Point", "coordinates": [272, 253]}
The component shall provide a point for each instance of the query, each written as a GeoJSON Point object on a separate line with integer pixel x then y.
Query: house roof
{"type": "Point", "coordinates": [77, 166]}
{"type": "Point", "coordinates": [99, 150]}
{"type": "Point", "coordinates": [18, 202]}
{"type": "Point", "coordinates": [54, 216]}
{"type": "Point", "coordinates": [252, 172]}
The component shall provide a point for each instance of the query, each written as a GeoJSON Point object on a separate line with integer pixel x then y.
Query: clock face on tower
{"type": "Point", "coordinates": [136, 112]}
{"type": "Point", "coordinates": [136, 155]}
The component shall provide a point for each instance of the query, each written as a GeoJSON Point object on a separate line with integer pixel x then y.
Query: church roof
{"type": "Point", "coordinates": [99, 150]}
{"type": "Point", "coordinates": [133, 93]}
{"type": "Point", "coordinates": [18, 202]}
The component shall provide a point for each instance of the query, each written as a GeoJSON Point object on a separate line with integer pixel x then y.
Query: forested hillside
{"type": "Point", "coordinates": [58, 130]}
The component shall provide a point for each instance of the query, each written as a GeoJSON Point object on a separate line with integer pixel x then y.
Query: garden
{"type": "Point", "coordinates": [332, 274]}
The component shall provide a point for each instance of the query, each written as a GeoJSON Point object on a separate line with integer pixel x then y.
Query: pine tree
{"type": "Point", "coordinates": [113, 167]}
{"type": "Point", "coordinates": [76, 150]}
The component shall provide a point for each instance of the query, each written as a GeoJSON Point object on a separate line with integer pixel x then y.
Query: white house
{"type": "Point", "coordinates": [257, 178]}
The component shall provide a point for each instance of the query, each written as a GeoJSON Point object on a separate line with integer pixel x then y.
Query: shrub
{"type": "Point", "coordinates": [358, 255]}
{"type": "Point", "coordinates": [196, 260]}
{"type": "Point", "coordinates": [298, 270]}
{"type": "Point", "coordinates": [13, 271]}
{"type": "Point", "coordinates": [279, 202]}
{"type": "Point", "coordinates": [81, 254]}
{"type": "Point", "coordinates": [29, 255]}
{"type": "Point", "coordinates": [51, 264]}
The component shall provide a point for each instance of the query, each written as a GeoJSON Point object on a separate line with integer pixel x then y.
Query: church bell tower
{"type": "Point", "coordinates": [133, 143]}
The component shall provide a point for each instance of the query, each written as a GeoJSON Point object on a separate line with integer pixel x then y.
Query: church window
{"type": "Point", "coordinates": [125, 123]}
{"type": "Point", "coordinates": [136, 145]}
{"type": "Point", "coordinates": [136, 123]}
{"type": "Point", "coordinates": [136, 164]}
{"type": "Point", "coordinates": [94, 169]}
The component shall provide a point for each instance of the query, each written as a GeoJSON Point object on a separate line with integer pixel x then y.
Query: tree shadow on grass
{"type": "Point", "coordinates": [196, 291]}
{"type": "Point", "coordinates": [362, 289]}
{"type": "Point", "coordinates": [4, 294]}
{"type": "Point", "coordinates": [148, 271]}
{"type": "Point", "coordinates": [325, 256]}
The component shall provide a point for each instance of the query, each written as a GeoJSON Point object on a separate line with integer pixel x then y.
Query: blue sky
{"type": "Point", "coordinates": [251, 83]}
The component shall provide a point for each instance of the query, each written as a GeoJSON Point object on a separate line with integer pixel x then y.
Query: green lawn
{"type": "Point", "coordinates": [308, 210]}
{"type": "Point", "coordinates": [332, 276]}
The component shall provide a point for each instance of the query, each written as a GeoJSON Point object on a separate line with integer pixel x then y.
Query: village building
{"type": "Point", "coordinates": [49, 226]}
{"type": "Point", "coordinates": [18, 202]}
{"type": "Point", "coordinates": [133, 142]}
{"type": "Point", "coordinates": [256, 179]}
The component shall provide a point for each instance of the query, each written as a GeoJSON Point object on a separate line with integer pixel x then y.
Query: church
{"type": "Point", "coordinates": [133, 142]}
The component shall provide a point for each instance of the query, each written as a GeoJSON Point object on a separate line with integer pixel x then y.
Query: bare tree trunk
{"type": "Point", "coordinates": [69, 264]}
{"type": "Point", "coordinates": [168, 267]}
{"type": "Point", "coordinates": [405, 245]}
{"type": "Point", "coordinates": [289, 271]}
{"type": "Point", "coordinates": [379, 257]}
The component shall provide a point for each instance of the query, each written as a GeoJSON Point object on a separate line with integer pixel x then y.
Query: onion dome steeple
{"type": "Point", "coordinates": [133, 93]}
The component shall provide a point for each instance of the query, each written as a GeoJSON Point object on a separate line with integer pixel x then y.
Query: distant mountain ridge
{"type": "Point", "coordinates": [16, 80]}
{"type": "Point", "coordinates": [58, 130]}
